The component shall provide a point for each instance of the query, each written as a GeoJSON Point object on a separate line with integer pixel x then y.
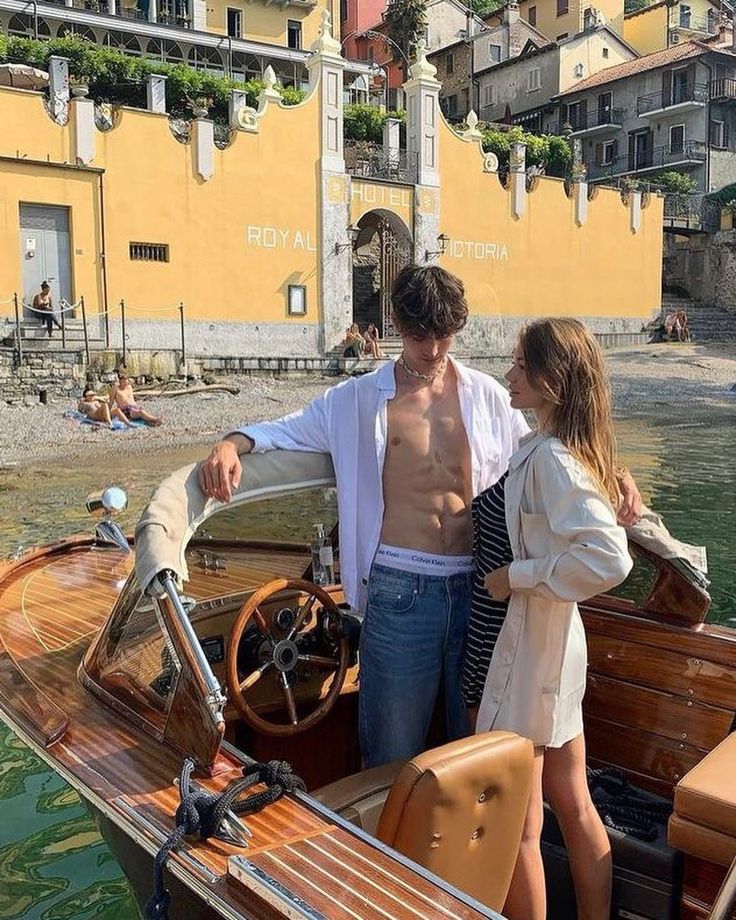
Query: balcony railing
{"type": "Point", "coordinates": [705, 24]}
{"type": "Point", "coordinates": [692, 152]}
{"type": "Point", "coordinates": [723, 89]}
{"type": "Point", "coordinates": [691, 211]}
{"type": "Point", "coordinates": [374, 161]}
{"type": "Point", "coordinates": [601, 118]}
{"type": "Point", "coordinates": [677, 95]}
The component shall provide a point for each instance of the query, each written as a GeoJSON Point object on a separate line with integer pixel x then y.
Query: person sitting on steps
{"type": "Point", "coordinates": [44, 307]}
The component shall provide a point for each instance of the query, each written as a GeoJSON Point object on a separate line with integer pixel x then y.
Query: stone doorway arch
{"type": "Point", "coordinates": [383, 247]}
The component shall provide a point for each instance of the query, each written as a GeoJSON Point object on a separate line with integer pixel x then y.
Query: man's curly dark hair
{"type": "Point", "coordinates": [428, 302]}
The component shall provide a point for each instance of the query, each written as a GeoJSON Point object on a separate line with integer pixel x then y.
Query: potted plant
{"type": "Point", "coordinates": [79, 87]}
{"type": "Point", "coordinates": [200, 106]}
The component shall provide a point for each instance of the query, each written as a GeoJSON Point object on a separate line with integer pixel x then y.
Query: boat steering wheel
{"type": "Point", "coordinates": [281, 654]}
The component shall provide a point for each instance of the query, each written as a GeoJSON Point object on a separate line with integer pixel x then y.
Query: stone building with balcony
{"type": "Point", "coordinates": [501, 37]}
{"type": "Point", "coordinates": [671, 110]}
{"type": "Point", "coordinates": [237, 38]}
{"type": "Point", "coordinates": [521, 90]}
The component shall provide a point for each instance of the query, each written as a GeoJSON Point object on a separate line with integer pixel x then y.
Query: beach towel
{"type": "Point", "coordinates": [117, 425]}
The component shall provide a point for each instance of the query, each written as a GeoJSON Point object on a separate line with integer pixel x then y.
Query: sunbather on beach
{"type": "Point", "coordinates": [98, 409]}
{"type": "Point", "coordinates": [122, 396]}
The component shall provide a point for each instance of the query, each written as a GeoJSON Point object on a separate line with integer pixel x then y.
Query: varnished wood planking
{"type": "Point", "coordinates": [644, 752]}
{"type": "Point", "coordinates": [689, 676]}
{"type": "Point", "coordinates": [675, 717]}
{"type": "Point", "coordinates": [334, 870]}
{"type": "Point", "coordinates": [713, 643]}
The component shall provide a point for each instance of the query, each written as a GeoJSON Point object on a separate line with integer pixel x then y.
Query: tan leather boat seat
{"type": "Point", "coordinates": [458, 809]}
{"type": "Point", "coordinates": [703, 822]}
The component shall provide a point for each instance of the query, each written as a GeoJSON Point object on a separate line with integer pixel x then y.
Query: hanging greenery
{"type": "Point", "coordinates": [113, 76]}
{"type": "Point", "coordinates": [548, 150]}
{"type": "Point", "coordinates": [365, 122]}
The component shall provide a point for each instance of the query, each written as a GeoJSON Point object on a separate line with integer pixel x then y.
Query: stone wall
{"type": "Point", "coordinates": [496, 336]}
{"type": "Point", "coordinates": [704, 266]}
{"type": "Point", "coordinates": [61, 374]}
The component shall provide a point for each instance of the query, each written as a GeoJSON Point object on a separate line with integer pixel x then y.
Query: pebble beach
{"type": "Point", "coordinates": [682, 379]}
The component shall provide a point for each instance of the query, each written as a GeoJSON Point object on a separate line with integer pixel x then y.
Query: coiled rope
{"type": "Point", "coordinates": [202, 812]}
{"type": "Point", "coordinates": [625, 808]}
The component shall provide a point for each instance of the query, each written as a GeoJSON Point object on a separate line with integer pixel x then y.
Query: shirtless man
{"type": "Point", "coordinates": [122, 396]}
{"type": "Point", "coordinates": [412, 443]}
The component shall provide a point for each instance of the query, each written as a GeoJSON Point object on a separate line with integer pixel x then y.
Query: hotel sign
{"type": "Point", "coordinates": [369, 196]}
{"type": "Point", "coordinates": [480, 251]}
{"type": "Point", "coordinates": [280, 238]}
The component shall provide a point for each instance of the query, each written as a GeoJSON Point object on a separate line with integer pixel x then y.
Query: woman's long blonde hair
{"type": "Point", "coordinates": [565, 363]}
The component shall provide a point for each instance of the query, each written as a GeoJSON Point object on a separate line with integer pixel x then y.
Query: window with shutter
{"type": "Point", "coordinates": [677, 138]}
{"type": "Point", "coordinates": [718, 134]}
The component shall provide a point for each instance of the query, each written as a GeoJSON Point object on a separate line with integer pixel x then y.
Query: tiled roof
{"type": "Point", "coordinates": [653, 61]}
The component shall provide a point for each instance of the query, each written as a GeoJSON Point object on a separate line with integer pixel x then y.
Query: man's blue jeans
{"type": "Point", "coordinates": [413, 636]}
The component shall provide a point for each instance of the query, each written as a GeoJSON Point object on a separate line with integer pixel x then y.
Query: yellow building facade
{"type": "Point", "coordinates": [662, 24]}
{"type": "Point", "coordinates": [255, 239]}
{"type": "Point", "coordinates": [564, 18]}
{"type": "Point", "coordinates": [293, 24]}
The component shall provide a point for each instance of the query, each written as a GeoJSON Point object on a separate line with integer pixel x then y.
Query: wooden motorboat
{"type": "Point", "coordinates": [204, 639]}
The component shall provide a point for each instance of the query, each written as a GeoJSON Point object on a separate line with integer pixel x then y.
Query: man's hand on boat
{"type": "Point", "coordinates": [219, 474]}
{"type": "Point", "coordinates": [630, 509]}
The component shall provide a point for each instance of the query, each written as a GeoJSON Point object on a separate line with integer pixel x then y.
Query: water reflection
{"type": "Point", "coordinates": [53, 863]}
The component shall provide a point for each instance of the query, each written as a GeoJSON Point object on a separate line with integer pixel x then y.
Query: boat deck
{"type": "Point", "coordinates": [51, 604]}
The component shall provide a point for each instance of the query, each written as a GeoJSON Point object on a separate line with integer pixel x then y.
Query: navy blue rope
{"type": "Point", "coordinates": [202, 812]}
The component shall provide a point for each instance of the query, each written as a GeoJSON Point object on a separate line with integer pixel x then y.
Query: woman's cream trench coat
{"type": "Point", "coordinates": [567, 547]}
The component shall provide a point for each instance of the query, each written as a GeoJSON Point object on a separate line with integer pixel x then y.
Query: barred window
{"type": "Point", "coordinates": [149, 252]}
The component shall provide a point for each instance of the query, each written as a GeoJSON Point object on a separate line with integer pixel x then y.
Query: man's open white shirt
{"type": "Point", "coordinates": [349, 422]}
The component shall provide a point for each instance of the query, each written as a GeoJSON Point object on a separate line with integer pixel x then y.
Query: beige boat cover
{"type": "Point", "coordinates": [178, 506]}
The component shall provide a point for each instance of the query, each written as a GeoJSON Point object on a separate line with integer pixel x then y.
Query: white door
{"type": "Point", "coordinates": [45, 252]}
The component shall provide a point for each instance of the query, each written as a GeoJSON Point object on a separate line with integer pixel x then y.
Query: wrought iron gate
{"type": "Point", "coordinates": [395, 254]}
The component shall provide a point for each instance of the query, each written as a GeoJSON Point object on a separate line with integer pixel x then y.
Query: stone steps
{"type": "Point", "coordinates": [707, 323]}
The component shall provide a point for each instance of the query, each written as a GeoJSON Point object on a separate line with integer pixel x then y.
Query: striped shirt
{"type": "Point", "coordinates": [492, 550]}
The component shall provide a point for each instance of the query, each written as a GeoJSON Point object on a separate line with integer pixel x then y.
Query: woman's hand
{"type": "Point", "coordinates": [630, 508]}
{"type": "Point", "coordinates": [497, 583]}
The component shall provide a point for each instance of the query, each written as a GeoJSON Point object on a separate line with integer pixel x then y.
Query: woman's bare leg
{"type": "Point", "coordinates": [588, 849]}
{"type": "Point", "coordinates": [527, 898]}
{"type": "Point", "coordinates": [102, 414]}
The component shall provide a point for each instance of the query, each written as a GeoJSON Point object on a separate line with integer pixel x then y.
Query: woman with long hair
{"type": "Point", "coordinates": [546, 537]}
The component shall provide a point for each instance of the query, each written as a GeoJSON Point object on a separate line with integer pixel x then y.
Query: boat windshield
{"type": "Point", "coordinates": [136, 664]}
{"type": "Point", "coordinates": [235, 550]}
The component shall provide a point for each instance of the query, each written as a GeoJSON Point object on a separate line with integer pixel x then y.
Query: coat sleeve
{"type": "Point", "coordinates": [306, 430]}
{"type": "Point", "coordinates": [595, 557]}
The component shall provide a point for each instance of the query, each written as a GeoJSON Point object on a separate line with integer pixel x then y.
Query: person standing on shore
{"type": "Point", "coordinates": [412, 443]}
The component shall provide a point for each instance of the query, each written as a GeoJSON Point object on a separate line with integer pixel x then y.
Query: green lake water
{"type": "Point", "coordinates": [53, 863]}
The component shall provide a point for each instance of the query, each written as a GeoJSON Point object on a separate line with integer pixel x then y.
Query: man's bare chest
{"type": "Point", "coordinates": [432, 432]}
